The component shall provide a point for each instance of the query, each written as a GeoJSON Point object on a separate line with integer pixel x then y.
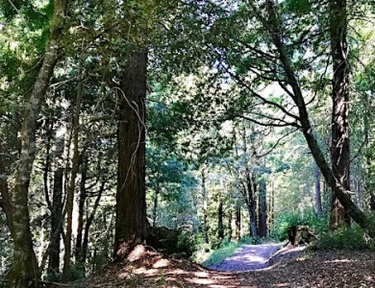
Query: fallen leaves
{"type": "Point", "coordinates": [311, 269]}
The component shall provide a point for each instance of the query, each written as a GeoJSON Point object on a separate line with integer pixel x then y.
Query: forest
{"type": "Point", "coordinates": [185, 126]}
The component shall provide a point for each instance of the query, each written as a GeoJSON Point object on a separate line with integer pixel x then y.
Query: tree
{"type": "Point", "coordinates": [340, 149]}
{"type": "Point", "coordinates": [25, 267]}
{"type": "Point", "coordinates": [131, 222]}
{"type": "Point", "coordinates": [274, 25]}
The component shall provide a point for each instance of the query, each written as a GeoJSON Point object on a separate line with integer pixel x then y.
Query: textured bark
{"type": "Point", "coordinates": [343, 195]}
{"type": "Point", "coordinates": [340, 153]}
{"type": "Point", "coordinates": [72, 185]}
{"type": "Point", "coordinates": [131, 222]}
{"type": "Point", "coordinates": [25, 269]}
{"type": "Point", "coordinates": [262, 209]}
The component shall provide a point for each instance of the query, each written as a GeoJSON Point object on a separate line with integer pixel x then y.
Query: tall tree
{"type": "Point", "coordinates": [340, 148]}
{"type": "Point", "coordinates": [274, 25]}
{"type": "Point", "coordinates": [131, 222]}
{"type": "Point", "coordinates": [25, 268]}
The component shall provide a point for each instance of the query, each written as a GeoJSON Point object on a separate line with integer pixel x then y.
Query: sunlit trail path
{"type": "Point", "coordinates": [248, 257]}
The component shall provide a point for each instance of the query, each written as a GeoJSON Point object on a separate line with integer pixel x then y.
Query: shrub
{"type": "Point", "coordinates": [307, 217]}
{"type": "Point", "coordinates": [352, 238]}
{"type": "Point", "coordinates": [220, 254]}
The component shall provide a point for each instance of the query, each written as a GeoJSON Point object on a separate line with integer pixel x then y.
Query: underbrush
{"type": "Point", "coordinates": [307, 217]}
{"type": "Point", "coordinates": [216, 256]}
{"type": "Point", "coordinates": [353, 238]}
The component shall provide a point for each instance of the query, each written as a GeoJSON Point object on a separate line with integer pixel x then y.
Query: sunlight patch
{"type": "Point", "coordinates": [161, 263]}
{"type": "Point", "coordinates": [339, 261]}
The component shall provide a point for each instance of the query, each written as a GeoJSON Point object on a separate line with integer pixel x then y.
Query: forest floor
{"type": "Point", "coordinates": [289, 267]}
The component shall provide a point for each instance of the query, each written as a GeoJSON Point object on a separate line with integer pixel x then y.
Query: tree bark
{"type": "Point", "coordinates": [262, 209]}
{"type": "Point", "coordinates": [340, 150]}
{"type": "Point", "coordinates": [25, 268]}
{"type": "Point", "coordinates": [72, 185]}
{"type": "Point", "coordinates": [131, 221]}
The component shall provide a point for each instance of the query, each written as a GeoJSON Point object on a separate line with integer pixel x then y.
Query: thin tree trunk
{"type": "Point", "coordinates": [238, 220]}
{"type": "Point", "coordinates": [72, 185]}
{"type": "Point", "coordinates": [230, 230]}
{"type": "Point", "coordinates": [89, 221]}
{"type": "Point", "coordinates": [81, 210]}
{"type": "Point", "coordinates": [250, 191]}
{"type": "Point", "coordinates": [262, 209]}
{"type": "Point", "coordinates": [25, 268]}
{"type": "Point", "coordinates": [205, 209]}
{"type": "Point", "coordinates": [156, 196]}
{"type": "Point", "coordinates": [318, 197]}
{"type": "Point", "coordinates": [220, 223]}
{"type": "Point", "coordinates": [131, 221]}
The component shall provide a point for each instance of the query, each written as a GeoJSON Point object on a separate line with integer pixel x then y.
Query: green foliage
{"type": "Point", "coordinates": [220, 254]}
{"type": "Point", "coordinates": [298, 6]}
{"type": "Point", "coordinates": [344, 239]}
{"type": "Point", "coordinates": [246, 240]}
{"type": "Point", "coordinates": [306, 217]}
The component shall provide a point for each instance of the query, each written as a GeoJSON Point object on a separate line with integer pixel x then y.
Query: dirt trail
{"type": "Point", "coordinates": [248, 258]}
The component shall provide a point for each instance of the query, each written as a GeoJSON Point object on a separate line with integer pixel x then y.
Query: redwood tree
{"type": "Point", "coordinates": [340, 150]}
{"type": "Point", "coordinates": [131, 221]}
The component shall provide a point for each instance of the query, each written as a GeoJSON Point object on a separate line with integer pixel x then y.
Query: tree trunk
{"type": "Point", "coordinates": [205, 209]}
{"type": "Point", "coordinates": [81, 210]}
{"type": "Point", "coordinates": [72, 185]}
{"type": "Point", "coordinates": [89, 221]}
{"type": "Point", "coordinates": [238, 220]}
{"type": "Point", "coordinates": [250, 189]}
{"type": "Point", "coordinates": [230, 230]}
{"type": "Point", "coordinates": [318, 197]}
{"type": "Point", "coordinates": [220, 223]}
{"type": "Point", "coordinates": [262, 209]}
{"type": "Point", "coordinates": [340, 153]}
{"type": "Point", "coordinates": [5, 200]}
{"type": "Point", "coordinates": [156, 196]}
{"type": "Point", "coordinates": [56, 212]}
{"type": "Point", "coordinates": [25, 268]}
{"type": "Point", "coordinates": [131, 221]}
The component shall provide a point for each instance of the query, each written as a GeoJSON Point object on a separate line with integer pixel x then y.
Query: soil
{"type": "Point", "coordinates": [290, 266]}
